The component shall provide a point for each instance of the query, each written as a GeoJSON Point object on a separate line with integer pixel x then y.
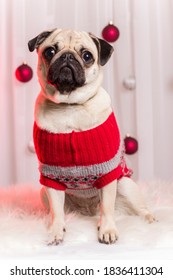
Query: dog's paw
{"type": "Point", "coordinates": [150, 218]}
{"type": "Point", "coordinates": [56, 235]}
{"type": "Point", "coordinates": [108, 237]}
{"type": "Point", "coordinates": [108, 233]}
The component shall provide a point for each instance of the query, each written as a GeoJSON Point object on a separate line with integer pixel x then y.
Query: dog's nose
{"type": "Point", "coordinates": [67, 57]}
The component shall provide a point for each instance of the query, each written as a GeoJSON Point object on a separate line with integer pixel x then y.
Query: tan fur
{"type": "Point", "coordinates": [84, 116]}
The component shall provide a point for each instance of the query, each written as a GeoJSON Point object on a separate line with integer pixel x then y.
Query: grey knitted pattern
{"type": "Point", "coordinates": [55, 172]}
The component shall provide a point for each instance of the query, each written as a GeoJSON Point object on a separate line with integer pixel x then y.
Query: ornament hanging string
{"type": "Point", "coordinates": [110, 32]}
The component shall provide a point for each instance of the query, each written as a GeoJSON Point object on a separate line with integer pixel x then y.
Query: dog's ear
{"type": "Point", "coordinates": [35, 42]}
{"type": "Point", "coordinates": [104, 49]}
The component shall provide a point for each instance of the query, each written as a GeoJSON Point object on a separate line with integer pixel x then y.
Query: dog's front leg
{"type": "Point", "coordinates": [57, 226]}
{"type": "Point", "coordinates": [107, 228]}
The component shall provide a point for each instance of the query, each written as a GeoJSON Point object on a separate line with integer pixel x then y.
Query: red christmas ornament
{"type": "Point", "coordinates": [24, 73]}
{"type": "Point", "coordinates": [131, 145]}
{"type": "Point", "coordinates": [110, 33]}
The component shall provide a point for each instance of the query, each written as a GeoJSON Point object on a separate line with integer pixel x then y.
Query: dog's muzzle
{"type": "Point", "coordinates": [66, 73]}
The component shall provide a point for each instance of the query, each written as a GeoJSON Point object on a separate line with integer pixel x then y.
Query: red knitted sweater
{"type": "Point", "coordinates": [80, 160]}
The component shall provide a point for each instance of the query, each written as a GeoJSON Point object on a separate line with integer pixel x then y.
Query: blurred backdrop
{"type": "Point", "coordinates": [139, 78]}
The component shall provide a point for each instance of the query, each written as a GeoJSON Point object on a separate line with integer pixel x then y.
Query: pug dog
{"type": "Point", "coordinates": [76, 136]}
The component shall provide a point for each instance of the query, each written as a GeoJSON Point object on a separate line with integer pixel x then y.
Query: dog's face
{"type": "Point", "coordinates": [69, 64]}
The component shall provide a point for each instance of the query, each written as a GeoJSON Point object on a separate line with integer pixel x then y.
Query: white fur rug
{"type": "Point", "coordinates": [23, 228]}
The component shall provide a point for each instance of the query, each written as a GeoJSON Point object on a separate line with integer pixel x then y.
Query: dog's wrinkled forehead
{"type": "Point", "coordinates": [69, 40]}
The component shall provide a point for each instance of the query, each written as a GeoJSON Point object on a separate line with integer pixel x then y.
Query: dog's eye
{"type": "Point", "coordinates": [49, 53]}
{"type": "Point", "coordinates": [87, 57]}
